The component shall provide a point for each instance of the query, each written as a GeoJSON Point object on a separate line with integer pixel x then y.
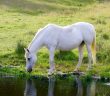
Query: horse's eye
{"type": "Point", "coordinates": [29, 59]}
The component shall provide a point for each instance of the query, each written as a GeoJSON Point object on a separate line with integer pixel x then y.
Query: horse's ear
{"type": "Point", "coordinates": [25, 49]}
{"type": "Point", "coordinates": [28, 50]}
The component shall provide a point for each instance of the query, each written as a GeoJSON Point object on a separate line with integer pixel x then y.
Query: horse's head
{"type": "Point", "coordinates": [30, 60]}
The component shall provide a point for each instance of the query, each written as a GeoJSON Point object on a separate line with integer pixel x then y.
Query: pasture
{"type": "Point", "coordinates": [20, 20]}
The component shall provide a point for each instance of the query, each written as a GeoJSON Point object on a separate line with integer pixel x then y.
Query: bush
{"type": "Point", "coordinates": [20, 47]}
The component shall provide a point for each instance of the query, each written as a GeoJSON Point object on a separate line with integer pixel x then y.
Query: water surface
{"type": "Point", "coordinates": [52, 87]}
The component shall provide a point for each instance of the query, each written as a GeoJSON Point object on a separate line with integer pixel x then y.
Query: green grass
{"type": "Point", "coordinates": [20, 20]}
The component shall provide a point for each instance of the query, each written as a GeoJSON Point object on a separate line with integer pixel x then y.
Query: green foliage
{"type": "Point", "coordinates": [20, 47]}
{"type": "Point", "coordinates": [66, 55]}
{"type": "Point", "coordinates": [105, 36]}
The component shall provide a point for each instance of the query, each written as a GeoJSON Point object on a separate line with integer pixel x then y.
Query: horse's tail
{"type": "Point", "coordinates": [93, 47]}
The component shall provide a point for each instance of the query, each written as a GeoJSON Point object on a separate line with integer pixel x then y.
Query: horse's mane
{"type": "Point", "coordinates": [36, 35]}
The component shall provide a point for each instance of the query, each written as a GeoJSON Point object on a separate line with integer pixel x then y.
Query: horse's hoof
{"type": "Point", "coordinates": [60, 73]}
{"type": "Point", "coordinates": [50, 73]}
{"type": "Point", "coordinates": [76, 70]}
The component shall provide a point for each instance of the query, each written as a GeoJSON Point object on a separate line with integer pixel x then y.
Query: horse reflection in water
{"type": "Point", "coordinates": [91, 88]}
{"type": "Point", "coordinates": [30, 89]}
{"type": "Point", "coordinates": [80, 87]}
{"type": "Point", "coordinates": [51, 86]}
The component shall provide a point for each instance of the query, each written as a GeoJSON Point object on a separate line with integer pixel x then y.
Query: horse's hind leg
{"type": "Point", "coordinates": [89, 55]}
{"type": "Point", "coordinates": [80, 48]}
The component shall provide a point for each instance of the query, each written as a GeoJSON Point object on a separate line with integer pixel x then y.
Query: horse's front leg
{"type": "Point", "coordinates": [80, 56]}
{"type": "Point", "coordinates": [51, 60]}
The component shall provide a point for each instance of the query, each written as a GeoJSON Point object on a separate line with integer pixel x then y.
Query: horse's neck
{"type": "Point", "coordinates": [35, 45]}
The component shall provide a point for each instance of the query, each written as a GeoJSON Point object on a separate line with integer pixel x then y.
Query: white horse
{"type": "Point", "coordinates": [63, 38]}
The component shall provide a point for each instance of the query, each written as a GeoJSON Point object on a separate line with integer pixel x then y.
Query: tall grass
{"type": "Point", "coordinates": [20, 47]}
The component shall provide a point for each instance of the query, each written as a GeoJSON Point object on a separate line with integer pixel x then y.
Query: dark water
{"type": "Point", "coordinates": [52, 87]}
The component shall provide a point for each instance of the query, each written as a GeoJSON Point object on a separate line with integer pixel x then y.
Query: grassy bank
{"type": "Point", "coordinates": [20, 20]}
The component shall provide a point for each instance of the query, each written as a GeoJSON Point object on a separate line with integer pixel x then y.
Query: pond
{"type": "Point", "coordinates": [52, 87]}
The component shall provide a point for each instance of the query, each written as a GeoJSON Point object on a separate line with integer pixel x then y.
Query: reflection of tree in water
{"type": "Point", "coordinates": [30, 89]}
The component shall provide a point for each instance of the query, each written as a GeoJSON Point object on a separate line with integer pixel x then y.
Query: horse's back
{"type": "Point", "coordinates": [70, 36]}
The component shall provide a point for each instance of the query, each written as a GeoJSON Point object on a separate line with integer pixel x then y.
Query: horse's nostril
{"type": "Point", "coordinates": [29, 70]}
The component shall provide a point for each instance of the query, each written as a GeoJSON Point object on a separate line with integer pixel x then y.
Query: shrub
{"type": "Point", "coordinates": [105, 36]}
{"type": "Point", "coordinates": [20, 47]}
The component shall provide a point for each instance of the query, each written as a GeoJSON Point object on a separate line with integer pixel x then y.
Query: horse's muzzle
{"type": "Point", "coordinates": [29, 70]}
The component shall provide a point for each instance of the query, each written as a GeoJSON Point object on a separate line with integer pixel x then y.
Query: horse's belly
{"type": "Point", "coordinates": [68, 45]}
{"type": "Point", "coordinates": [66, 48]}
